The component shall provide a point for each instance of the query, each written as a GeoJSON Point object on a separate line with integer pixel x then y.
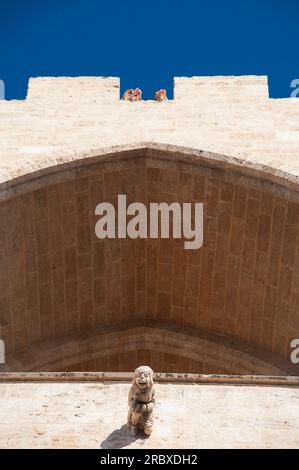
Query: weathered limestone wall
{"type": "Point", "coordinates": [66, 119]}
{"type": "Point", "coordinates": [61, 90]}
{"type": "Point", "coordinates": [72, 143]}
{"type": "Point", "coordinates": [212, 90]}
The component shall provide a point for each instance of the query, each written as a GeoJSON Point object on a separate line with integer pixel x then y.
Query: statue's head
{"type": "Point", "coordinates": [132, 94]}
{"type": "Point", "coordinates": [160, 95]}
{"type": "Point", "coordinates": [143, 377]}
{"type": "Point", "coordinates": [137, 94]}
{"type": "Point", "coordinates": [127, 96]}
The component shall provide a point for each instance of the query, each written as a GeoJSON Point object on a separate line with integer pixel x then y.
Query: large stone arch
{"type": "Point", "coordinates": [59, 280]}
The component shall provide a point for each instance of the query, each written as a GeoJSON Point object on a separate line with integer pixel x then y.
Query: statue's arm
{"type": "Point", "coordinates": [131, 398]}
{"type": "Point", "coordinates": [149, 407]}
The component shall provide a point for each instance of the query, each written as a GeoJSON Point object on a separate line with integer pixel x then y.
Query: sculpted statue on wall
{"type": "Point", "coordinates": [160, 95]}
{"type": "Point", "coordinates": [136, 95]}
{"type": "Point", "coordinates": [141, 402]}
{"type": "Point", "coordinates": [132, 94]}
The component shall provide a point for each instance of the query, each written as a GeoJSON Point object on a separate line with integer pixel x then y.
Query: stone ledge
{"type": "Point", "coordinates": [287, 381]}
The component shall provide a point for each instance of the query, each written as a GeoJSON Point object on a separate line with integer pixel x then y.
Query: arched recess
{"type": "Point", "coordinates": [58, 279]}
{"type": "Point", "coordinates": [165, 347]}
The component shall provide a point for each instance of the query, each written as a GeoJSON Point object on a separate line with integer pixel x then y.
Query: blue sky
{"type": "Point", "coordinates": [146, 43]}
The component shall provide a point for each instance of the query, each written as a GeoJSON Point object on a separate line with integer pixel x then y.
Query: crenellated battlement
{"type": "Point", "coordinates": [64, 119]}
{"type": "Point", "coordinates": [82, 89]}
{"type": "Point", "coordinates": [221, 88]}
{"type": "Point", "coordinates": [186, 89]}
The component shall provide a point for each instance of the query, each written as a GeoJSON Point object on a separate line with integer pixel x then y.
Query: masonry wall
{"type": "Point", "coordinates": [157, 360]}
{"type": "Point", "coordinates": [57, 277]}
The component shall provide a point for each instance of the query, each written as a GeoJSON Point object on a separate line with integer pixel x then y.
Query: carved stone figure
{"type": "Point", "coordinates": [141, 401]}
{"type": "Point", "coordinates": [160, 95]}
{"type": "Point", "coordinates": [132, 94]}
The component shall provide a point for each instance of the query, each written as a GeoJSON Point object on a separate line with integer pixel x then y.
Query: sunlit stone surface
{"type": "Point", "coordinates": [93, 415]}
